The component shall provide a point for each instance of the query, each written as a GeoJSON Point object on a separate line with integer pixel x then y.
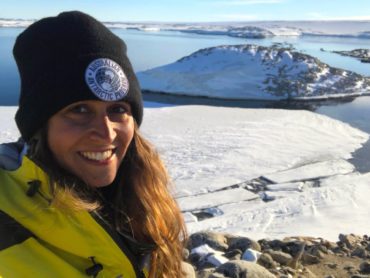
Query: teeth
{"type": "Point", "coordinates": [98, 156]}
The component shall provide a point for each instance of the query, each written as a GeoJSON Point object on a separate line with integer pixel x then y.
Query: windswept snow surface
{"type": "Point", "coordinates": [252, 72]}
{"type": "Point", "coordinates": [210, 150]}
{"type": "Point", "coordinates": [8, 131]}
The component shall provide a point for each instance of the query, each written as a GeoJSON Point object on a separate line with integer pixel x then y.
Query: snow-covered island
{"type": "Point", "coordinates": [253, 32]}
{"type": "Point", "coordinates": [253, 72]}
{"type": "Point", "coordinates": [362, 54]}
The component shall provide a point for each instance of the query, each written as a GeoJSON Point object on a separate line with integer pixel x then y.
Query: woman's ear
{"type": "Point", "coordinates": [34, 145]}
{"type": "Point", "coordinates": [37, 147]}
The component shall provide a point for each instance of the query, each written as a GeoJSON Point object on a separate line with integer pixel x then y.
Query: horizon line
{"type": "Point", "coordinates": [211, 22]}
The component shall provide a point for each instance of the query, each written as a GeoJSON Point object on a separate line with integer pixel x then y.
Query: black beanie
{"type": "Point", "coordinates": [69, 58]}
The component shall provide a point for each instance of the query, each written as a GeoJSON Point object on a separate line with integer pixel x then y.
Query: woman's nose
{"type": "Point", "coordinates": [103, 129]}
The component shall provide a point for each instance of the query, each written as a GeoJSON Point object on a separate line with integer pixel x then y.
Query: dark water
{"type": "Point", "coordinates": [357, 114]}
{"type": "Point", "coordinates": [9, 79]}
{"type": "Point", "coordinates": [311, 105]}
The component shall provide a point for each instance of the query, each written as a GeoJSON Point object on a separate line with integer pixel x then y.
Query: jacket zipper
{"type": "Point", "coordinates": [120, 243]}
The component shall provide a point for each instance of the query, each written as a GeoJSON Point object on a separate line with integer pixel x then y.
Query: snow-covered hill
{"type": "Point", "coordinates": [253, 72]}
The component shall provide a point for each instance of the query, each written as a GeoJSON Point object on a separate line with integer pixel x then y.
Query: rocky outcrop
{"type": "Point", "coordinates": [234, 256]}
{"type": "Point", "coordinates": [252, 32]}
{"type": "Point", "coordinates": [362, 54]}
{"type": "Point", "coordinates": [249, 32]}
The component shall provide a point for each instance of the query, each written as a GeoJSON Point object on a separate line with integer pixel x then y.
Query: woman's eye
{"type": "Point", "coordinates": [119, 109]}
{"type": "Point", "coordinates": [78, 113]}
{"type": "Point", "coordinates": [79, 109]}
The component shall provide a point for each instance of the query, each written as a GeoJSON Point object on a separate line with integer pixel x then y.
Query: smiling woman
{"type": "Point", "coordinates": [90, 139]}
{"type": "Point", "coordinates": [87, 195]}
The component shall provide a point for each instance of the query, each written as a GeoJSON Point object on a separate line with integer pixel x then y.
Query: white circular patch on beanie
{"type": "Point", "coordinates": [106, 79]}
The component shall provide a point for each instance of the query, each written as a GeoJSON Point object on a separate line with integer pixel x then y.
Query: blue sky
{"type": "Point", "coordinates": [192, 10]}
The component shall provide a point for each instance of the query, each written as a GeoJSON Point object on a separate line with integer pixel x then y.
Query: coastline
{"type": "Point", "coordinates": [293, 103]}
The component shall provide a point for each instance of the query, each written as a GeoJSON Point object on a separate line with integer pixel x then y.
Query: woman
{"type": "Point", "coordinates": [90, 197]}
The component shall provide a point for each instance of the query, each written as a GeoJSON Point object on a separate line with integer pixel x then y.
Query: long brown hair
{"type": "Point", "coordinates": [142, 202]}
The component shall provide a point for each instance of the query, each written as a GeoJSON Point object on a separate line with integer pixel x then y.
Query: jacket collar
{"type": "Point", "coordinates": [64, 232]}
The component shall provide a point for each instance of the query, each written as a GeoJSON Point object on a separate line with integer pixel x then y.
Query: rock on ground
{"type": "Point", "coordinates": [304, 257]}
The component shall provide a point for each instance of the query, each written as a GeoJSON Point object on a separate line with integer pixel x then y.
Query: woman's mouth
{"type": "Point", "coordinates": [98, 156]}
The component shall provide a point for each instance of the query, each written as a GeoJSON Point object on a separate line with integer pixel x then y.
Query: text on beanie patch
{"type": "Point", "coordinates": [106, 79]}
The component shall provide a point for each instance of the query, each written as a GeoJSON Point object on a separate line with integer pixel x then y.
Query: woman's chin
{"type": "Point", "coordinates": [97, 180]}
{"type": "Point", "coordinates": [100, 183]}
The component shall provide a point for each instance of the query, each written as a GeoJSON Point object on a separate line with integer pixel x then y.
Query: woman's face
{"type": "Point", "coordinates": [90, 139]}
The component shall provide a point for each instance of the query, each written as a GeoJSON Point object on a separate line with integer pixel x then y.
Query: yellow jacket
{"type": "Point", "coordinates": [39, 240]}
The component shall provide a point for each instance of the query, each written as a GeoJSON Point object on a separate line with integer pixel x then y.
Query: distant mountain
{"type": "Point", "coordinates": [253, 72]}
{"type": "Point", "coordinates": [249, 29]}
{"type": "Point", "coordinates": [6, 22]}
{"type": "Point", "coordinates": [259, 29]}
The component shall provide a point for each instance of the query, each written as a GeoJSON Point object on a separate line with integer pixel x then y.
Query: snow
{"type": "Point", "coordinates": [311, 171]}
{"type": "Point", "coordinates": [215, 199]}
{"type": "Point", "coordinates": [312, 213]}
{"type": "Point", "coordinates": [289, 186]}
{"type": "Point", "coordinates": [214, 147]}
{"type": "Point", "coordinates": [211, 148]}
{"type": "Point", "coordinates": [216, 259]}
{"type": "Point", "coordinates": [211, 151]}
{"type": "Point", "coordinates": [8, 131]}
{"type": "Point", "coordinates": [251, 255]}
{"type": "Point", "coordinates": [209, 255]}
